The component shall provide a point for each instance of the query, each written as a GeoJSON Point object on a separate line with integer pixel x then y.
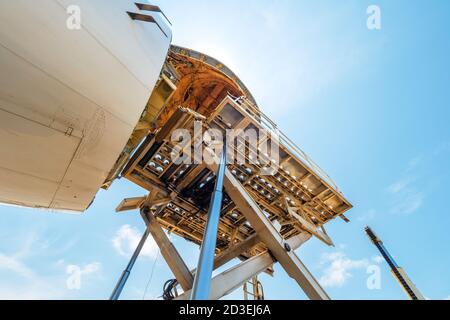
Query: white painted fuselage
{"type": "Point", "coordinates": [70, 97]}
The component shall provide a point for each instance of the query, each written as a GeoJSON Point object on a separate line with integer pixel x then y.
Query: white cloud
{"type": "Point", "coordinates": [91, 268]}
{"type": "Point", "coordinates": [13, 264]}
{"type": "Point", "coordinates": [338, 269]}
{"type": "Point", "coordinates": [377, 259]}
{"type": "Point", "coordinates": [127, 239]}
{"type": "Point", "coordinates": [410, 203]}
{"type": "Point", "coordinates": [86, 269]}
{"type": "Point", "coordinates": [22, 278]}
{"type": "Point", "coordinates": [406, 199]}
{"type": "Point", "coordinates": [399, 185]}
{"type": "Point", "coordinates": [21, 283]}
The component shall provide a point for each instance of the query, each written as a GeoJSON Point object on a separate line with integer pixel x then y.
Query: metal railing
{"type": "Point", "coordinates": [253, 111]}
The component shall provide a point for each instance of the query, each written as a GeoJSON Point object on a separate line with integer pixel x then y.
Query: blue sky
{"type": "Point", "coordinates": [371, 107]}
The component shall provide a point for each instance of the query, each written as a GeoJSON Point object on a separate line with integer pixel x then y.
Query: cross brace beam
{"type": "Point", "coordinates": [270, 236]}
{"type": "Point", "coordinates": [233, 278]}
{"type": "Point", "coordinates": [168, 251]}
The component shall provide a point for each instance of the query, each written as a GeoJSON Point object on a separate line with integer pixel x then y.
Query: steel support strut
{"type": "Point", "coordinates": [233, 278]}
{"type": "Point", "coordinates": [168, 250]}
{"type": "Point", "coordinates": [126, 273]}
{"type": "Point", "coordinates": [271, 237]}
{"type": "Point", "coordinates": [202, 281]}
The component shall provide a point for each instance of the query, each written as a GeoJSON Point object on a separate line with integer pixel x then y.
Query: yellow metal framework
{"type": "Point", "coordinates": [265, 215]}
{"type": "Point", "coordinates": [298, 196]}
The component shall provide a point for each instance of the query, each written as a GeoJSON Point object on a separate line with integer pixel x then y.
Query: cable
{"type": "Point", "coordinates": [151, 276]}
{"type": "Point", "coordinates": [168, 289]}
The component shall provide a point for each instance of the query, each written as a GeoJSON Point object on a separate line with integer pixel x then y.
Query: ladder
{"type": "Point", "coordinates": [256, 292]}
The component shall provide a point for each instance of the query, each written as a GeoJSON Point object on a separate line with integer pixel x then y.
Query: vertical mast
{"type": "Point", "coordinates": [407, 285]}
